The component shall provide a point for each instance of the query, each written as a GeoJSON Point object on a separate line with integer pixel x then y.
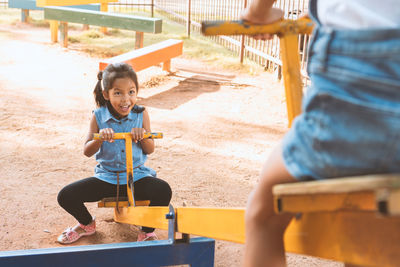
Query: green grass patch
{"type": "Point", "coordinates": [10, 16]}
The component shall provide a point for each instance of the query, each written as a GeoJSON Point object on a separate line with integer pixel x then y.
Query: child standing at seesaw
{"type": "Point", "coordinates": [115, 95]}
{"type": "Point", "coordinates": [350, 123]}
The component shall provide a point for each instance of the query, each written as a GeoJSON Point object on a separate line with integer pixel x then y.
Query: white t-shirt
{"type": "Point", "coordinates": [359, 14]}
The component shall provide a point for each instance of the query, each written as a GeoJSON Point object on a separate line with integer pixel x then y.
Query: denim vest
{"type": "Point", "coordinates": [111, 157]}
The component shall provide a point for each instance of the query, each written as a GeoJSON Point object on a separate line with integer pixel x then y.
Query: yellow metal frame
{"type": "Point", "coordinates": [129, 165]}
{"type": "Point", "coordinates": [208, 222]}
{"type": "Point", "coordinates": [287, 31]}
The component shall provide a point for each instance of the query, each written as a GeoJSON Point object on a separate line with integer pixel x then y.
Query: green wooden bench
{"type": "Point", "coordinates": [103, 19]}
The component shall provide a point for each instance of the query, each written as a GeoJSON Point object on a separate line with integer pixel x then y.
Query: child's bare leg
{"type": "Point", "coordinates": [264, 228]}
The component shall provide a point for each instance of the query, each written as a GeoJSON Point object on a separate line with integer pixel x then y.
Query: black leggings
{"type": "Point", "coordinates": [72, 196]}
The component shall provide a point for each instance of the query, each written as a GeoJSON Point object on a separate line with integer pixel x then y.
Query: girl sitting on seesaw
{"type": "Point", "coordinates": [115, 95]}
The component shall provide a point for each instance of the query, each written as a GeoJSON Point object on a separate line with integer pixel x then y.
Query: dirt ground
{"type": "Point", "coordinates": [218, 127]}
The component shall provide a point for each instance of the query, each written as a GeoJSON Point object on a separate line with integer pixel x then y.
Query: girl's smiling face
{"type": "Point", "coordinates": [122, 95]}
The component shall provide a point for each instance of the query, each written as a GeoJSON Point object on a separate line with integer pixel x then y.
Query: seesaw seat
{"type": "Point", "coordinates": [111, 202]}
{"type": "Point", "coordinates": [380, 193]}
{"type": "Point", "coordinates": [353, 220]}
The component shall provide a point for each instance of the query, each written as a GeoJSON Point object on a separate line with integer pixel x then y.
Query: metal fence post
{"type": "Point", "coordinates": [189, 2]}
{"type": "Point", "coordinates": [242, 39]}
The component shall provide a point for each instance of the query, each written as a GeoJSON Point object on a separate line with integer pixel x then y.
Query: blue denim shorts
{"type": "Point", "coordinates": [350, 123]}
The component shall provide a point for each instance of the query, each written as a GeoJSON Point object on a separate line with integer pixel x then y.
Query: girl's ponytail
{"type": "Point", "coordinates": [98, 91]}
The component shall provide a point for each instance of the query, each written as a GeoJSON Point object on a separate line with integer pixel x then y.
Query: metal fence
{"type": "Point", "coordinates": [192, 12]}
{"type": "Point", "coordinates": [266, 53]}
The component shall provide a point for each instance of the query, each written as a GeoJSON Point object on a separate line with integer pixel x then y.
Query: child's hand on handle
{"type": "Point", "coordinates": [137, 134]}
{"type": "Point", "coordinates": [261, 12]}
{"type": "Point", "coordinates": [107, 134]}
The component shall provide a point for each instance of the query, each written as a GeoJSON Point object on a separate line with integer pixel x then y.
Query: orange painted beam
{"type": "Point", "coordinates": [148, 56]}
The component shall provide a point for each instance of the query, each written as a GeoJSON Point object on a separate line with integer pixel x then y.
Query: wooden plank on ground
{"type": "Point", "coordinates": [104, 19]}
{"type": "Point", "coordinates": [147, 56]}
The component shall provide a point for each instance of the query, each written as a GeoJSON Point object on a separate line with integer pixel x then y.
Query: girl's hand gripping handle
{"type": "Point", "coordinates": [96, 136]}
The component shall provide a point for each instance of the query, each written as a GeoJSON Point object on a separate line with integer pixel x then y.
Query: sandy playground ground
{"type": "Point", "coordinates": [218, 127]}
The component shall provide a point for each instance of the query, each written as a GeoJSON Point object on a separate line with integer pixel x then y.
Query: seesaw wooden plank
{"type": "Point", "coordinates": [363, 238]}
{"type": "Point", "coordinates": [219, 223]}
{"type": "Point", "coordinates": [105, 19]}
{"type": "Point", "coordinates": [360, 238]}
{"type": "Point", "coordinates": [379, 193]}
{"type": "Point", "coordinates": [362, 201]}
{"type": "Point", "coordinates": [144, 216]}
{"type": "Point", "coordinates": [110, 202]}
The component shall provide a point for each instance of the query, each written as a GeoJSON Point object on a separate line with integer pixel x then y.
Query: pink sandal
{"type": "Point", "coordinates": [142, 236]}
{"type": "Point", "coordinates": [70, 235]}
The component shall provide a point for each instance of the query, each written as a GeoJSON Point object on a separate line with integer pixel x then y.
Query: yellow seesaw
{"type": "Point", "coordinates": [208, 222]}
{"type": "Point", "coordinates": [354, 220]}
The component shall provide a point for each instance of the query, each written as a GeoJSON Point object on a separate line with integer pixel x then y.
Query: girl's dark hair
{"type": "Point", "coordinates": [107, 77]}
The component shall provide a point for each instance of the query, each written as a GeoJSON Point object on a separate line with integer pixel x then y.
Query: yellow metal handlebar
{"type": "Point", "coordinates": [96, 136]}
{"type": "Point", "coordinates": [241, 27]}
{"type": "Point", "coordinates": [287, 31]}
{"type": "Point", "coordinates": [129, 162]}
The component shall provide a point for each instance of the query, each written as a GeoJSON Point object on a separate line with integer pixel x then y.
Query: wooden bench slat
{"type": "Point", "coordinates": [31, 5]}
{"type": "Point", "coordinates": [104, 19]}
{"type": "Point", "coordinates": [24, 4]}
{"type": "Point", "coordinates": [43, 3]}
{"type": "Point", "coordinates": [148, 56]}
